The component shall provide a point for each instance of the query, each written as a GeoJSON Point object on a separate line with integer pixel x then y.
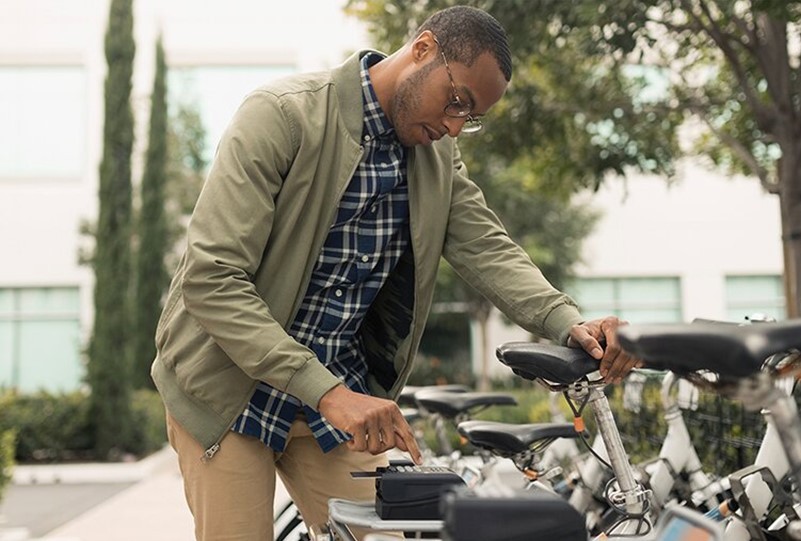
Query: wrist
{"type": "Point", "coordinates": [330, 396]}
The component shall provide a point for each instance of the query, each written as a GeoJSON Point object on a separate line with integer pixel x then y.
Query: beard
{"type": "Point", "coordinates": [406, 103]}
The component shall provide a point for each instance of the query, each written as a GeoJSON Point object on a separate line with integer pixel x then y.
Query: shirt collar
{"type": "Point", "coordinates": [376, 123]}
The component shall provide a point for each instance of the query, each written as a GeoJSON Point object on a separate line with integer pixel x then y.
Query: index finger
{"type": "Point", "coordinates": [616, 362]}
{"type": "Point", "coordinates": [404, 431]}
{"type": "Point", "coordinates": [587, 341]}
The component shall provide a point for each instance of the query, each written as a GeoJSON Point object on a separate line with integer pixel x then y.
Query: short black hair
{"type": "Point", "coordinates": [465, 33]}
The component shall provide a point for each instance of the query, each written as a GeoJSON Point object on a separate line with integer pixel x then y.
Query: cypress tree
{"type": "Point", "coordinates": [108, 368]}
{"type": "Point", "coordinates": [150, 276]}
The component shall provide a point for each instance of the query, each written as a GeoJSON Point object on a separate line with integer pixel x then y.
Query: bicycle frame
{"type": "Point", "coordinates": [678, 454]}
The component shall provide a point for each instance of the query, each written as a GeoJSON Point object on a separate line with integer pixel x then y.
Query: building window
{"type": "Point", "coordinates": [216, 92]}
{"type": "Point", "coordinates": [40, 339]}
{"type": "Point", "coordinates": [638, 300]}
{"type": "Point", "coordinates": [751, 295]}
{"type": "Point", "coordinates": [43, 127]}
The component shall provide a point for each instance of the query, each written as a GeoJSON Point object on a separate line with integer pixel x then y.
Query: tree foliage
{"type": "Point", "coordinates": [603, 87]}
{"type": "Point", "coordinates": [109, 349]}
{"type": "Point", "coordinates": [150, 276]}
{"type": "Point", "coordinates": [186, 169]}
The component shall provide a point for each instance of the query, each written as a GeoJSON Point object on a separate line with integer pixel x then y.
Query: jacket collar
{"type": "Point", "coordinates": [349, 93]}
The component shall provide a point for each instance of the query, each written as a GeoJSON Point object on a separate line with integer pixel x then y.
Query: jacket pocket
{"type": "Point", "coordinates": [179, 337]}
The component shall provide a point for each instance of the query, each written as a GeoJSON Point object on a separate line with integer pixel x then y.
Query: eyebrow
{"type": "Point", "coordinates": [466, 91]}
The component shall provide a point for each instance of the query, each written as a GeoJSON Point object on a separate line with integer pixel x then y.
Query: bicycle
{"type": "Point", "coordinates": [574, 371]}
{"type": "Point", "coordinates": [743, 363]}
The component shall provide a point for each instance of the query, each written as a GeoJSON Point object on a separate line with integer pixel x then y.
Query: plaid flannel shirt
{"type": "Point", "coordinates": [365, 242]}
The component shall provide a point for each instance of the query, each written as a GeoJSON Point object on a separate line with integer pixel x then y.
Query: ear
{"type": "Point", "coordinates": [424, 47]}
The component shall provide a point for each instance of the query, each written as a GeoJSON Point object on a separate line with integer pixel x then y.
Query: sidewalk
{"type": "Point", "coordinates": [153, 508]}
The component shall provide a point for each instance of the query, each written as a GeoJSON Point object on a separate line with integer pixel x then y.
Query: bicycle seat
{"type": "Point", "coordinates": [729, 350]}
{"type": "Point", "coordinates": [407, 394]}
{"type": "Point", "coordinates": [508, 439]}
{"type": "Point", "coordinates": [557, 364]}
{"type": "Point", "coordinates": [450, 405]}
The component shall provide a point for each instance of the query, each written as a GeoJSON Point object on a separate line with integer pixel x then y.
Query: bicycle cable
{"type": "Point", "coordinates": [578, 419]}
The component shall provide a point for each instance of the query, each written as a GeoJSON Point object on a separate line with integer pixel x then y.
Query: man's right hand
{"type": "Point", "coordinates": [375, 424]}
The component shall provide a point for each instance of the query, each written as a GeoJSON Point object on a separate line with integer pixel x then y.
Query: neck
{"type": "Point", "coordinates": [384, 77]}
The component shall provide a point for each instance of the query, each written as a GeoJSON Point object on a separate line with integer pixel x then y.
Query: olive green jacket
{"type": "Point", "coordinates": [255, 235]}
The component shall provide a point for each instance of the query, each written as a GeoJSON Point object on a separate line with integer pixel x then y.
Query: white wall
{"type": "Point", "coordinates": [702, 228]}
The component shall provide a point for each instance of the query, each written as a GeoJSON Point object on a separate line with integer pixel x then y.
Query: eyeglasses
{"type": "Point", "coordinates": [458, 108]}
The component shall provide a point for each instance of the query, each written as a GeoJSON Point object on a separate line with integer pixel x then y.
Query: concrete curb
{"type": "Point", "coordinates": [93, 472]}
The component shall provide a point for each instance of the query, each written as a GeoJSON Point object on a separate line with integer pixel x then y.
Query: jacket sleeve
{"type": "Point", "coordinates": [227, 235]}
{"type": "Point", "coordinates": [479, 249]}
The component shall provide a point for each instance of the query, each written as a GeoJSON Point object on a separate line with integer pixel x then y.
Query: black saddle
{"type": "Point", "coordinates": [556, 364]}
{"type": "Point", "coordinates": [729, 350]}
{"type": "Point", "coordinates": [507, 439]}
{"type": "Point", "coordinates": [450, 404]}
{"type": "Point", "coordinates": [407, 395]}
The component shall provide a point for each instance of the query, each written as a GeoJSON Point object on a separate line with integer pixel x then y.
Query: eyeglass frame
{"type": "Point", "coordinates": [463, 108]}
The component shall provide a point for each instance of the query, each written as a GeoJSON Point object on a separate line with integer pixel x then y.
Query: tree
{"type": "Point", "coordinates": [601, 87]}
{"type": "Point", "coordinates": [736, 68]}
{"type": "Point", "coordinates": [150, 277]}
{"type": "Point", "coordinates": [109, 349]}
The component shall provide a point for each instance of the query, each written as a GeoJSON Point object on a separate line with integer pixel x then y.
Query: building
{"type": "Point", "coordinates": [52, 69]}
{"type": "Point", "coordinates": [705, 247]}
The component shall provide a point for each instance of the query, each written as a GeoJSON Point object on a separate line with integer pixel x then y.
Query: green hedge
{"type": "Point", "coordinates": [55, 427]}
{"type": "Point", "coordinates": [7, 442]}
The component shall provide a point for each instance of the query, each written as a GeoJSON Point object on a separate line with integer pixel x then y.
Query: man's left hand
{"type": "Point", "coordinates": [599, 338]}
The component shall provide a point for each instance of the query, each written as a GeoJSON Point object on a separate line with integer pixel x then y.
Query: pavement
{"type": "Point", "coordinates": [100, 502]}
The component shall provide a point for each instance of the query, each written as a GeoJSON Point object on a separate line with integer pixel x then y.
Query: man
{"type": "Point", "coordinates": [297, 309]}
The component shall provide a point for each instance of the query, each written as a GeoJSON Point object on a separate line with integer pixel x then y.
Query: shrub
{"type": "Point", "coordinates": [50, 427]}
{"type": "Point", "coordinates": [150, 424]}
{"type": "Point", "coordinates": [7, 442]}
{"type": "Point", "coordinates": [55, 427]}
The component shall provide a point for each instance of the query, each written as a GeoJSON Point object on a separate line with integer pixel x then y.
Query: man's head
{"type": "Point", "coordinates": [448, 75]}
{"type": "Point", "coordinates": [465, 33]}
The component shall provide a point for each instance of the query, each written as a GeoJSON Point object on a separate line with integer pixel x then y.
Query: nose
{"type": "Point", "coordinates": [454, 125]}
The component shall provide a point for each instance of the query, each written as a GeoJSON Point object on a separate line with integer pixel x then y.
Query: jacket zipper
{"type": "Point", "coordinates": [209, 453]}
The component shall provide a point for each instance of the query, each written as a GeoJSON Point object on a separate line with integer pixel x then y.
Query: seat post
{"type": "Point", "coordinates": [631, 496]}
{"type": "Point", "coordinates": [611, 436]}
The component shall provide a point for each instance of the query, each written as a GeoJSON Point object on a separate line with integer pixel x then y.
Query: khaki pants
{"type": "Point", "coordinates": [231, 496]}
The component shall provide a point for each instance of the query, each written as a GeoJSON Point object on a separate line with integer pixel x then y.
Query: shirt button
{"type": "Point", "coordinates": [338, 292]}
{"type": "Point", "coordinates": [374, 208]}
{"type": "Point", "coordinates": [366, 137]}
{"type": "Point", "coordinates": [321, 340]}
{"type": "Point", "coordinates": [365, 258]}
